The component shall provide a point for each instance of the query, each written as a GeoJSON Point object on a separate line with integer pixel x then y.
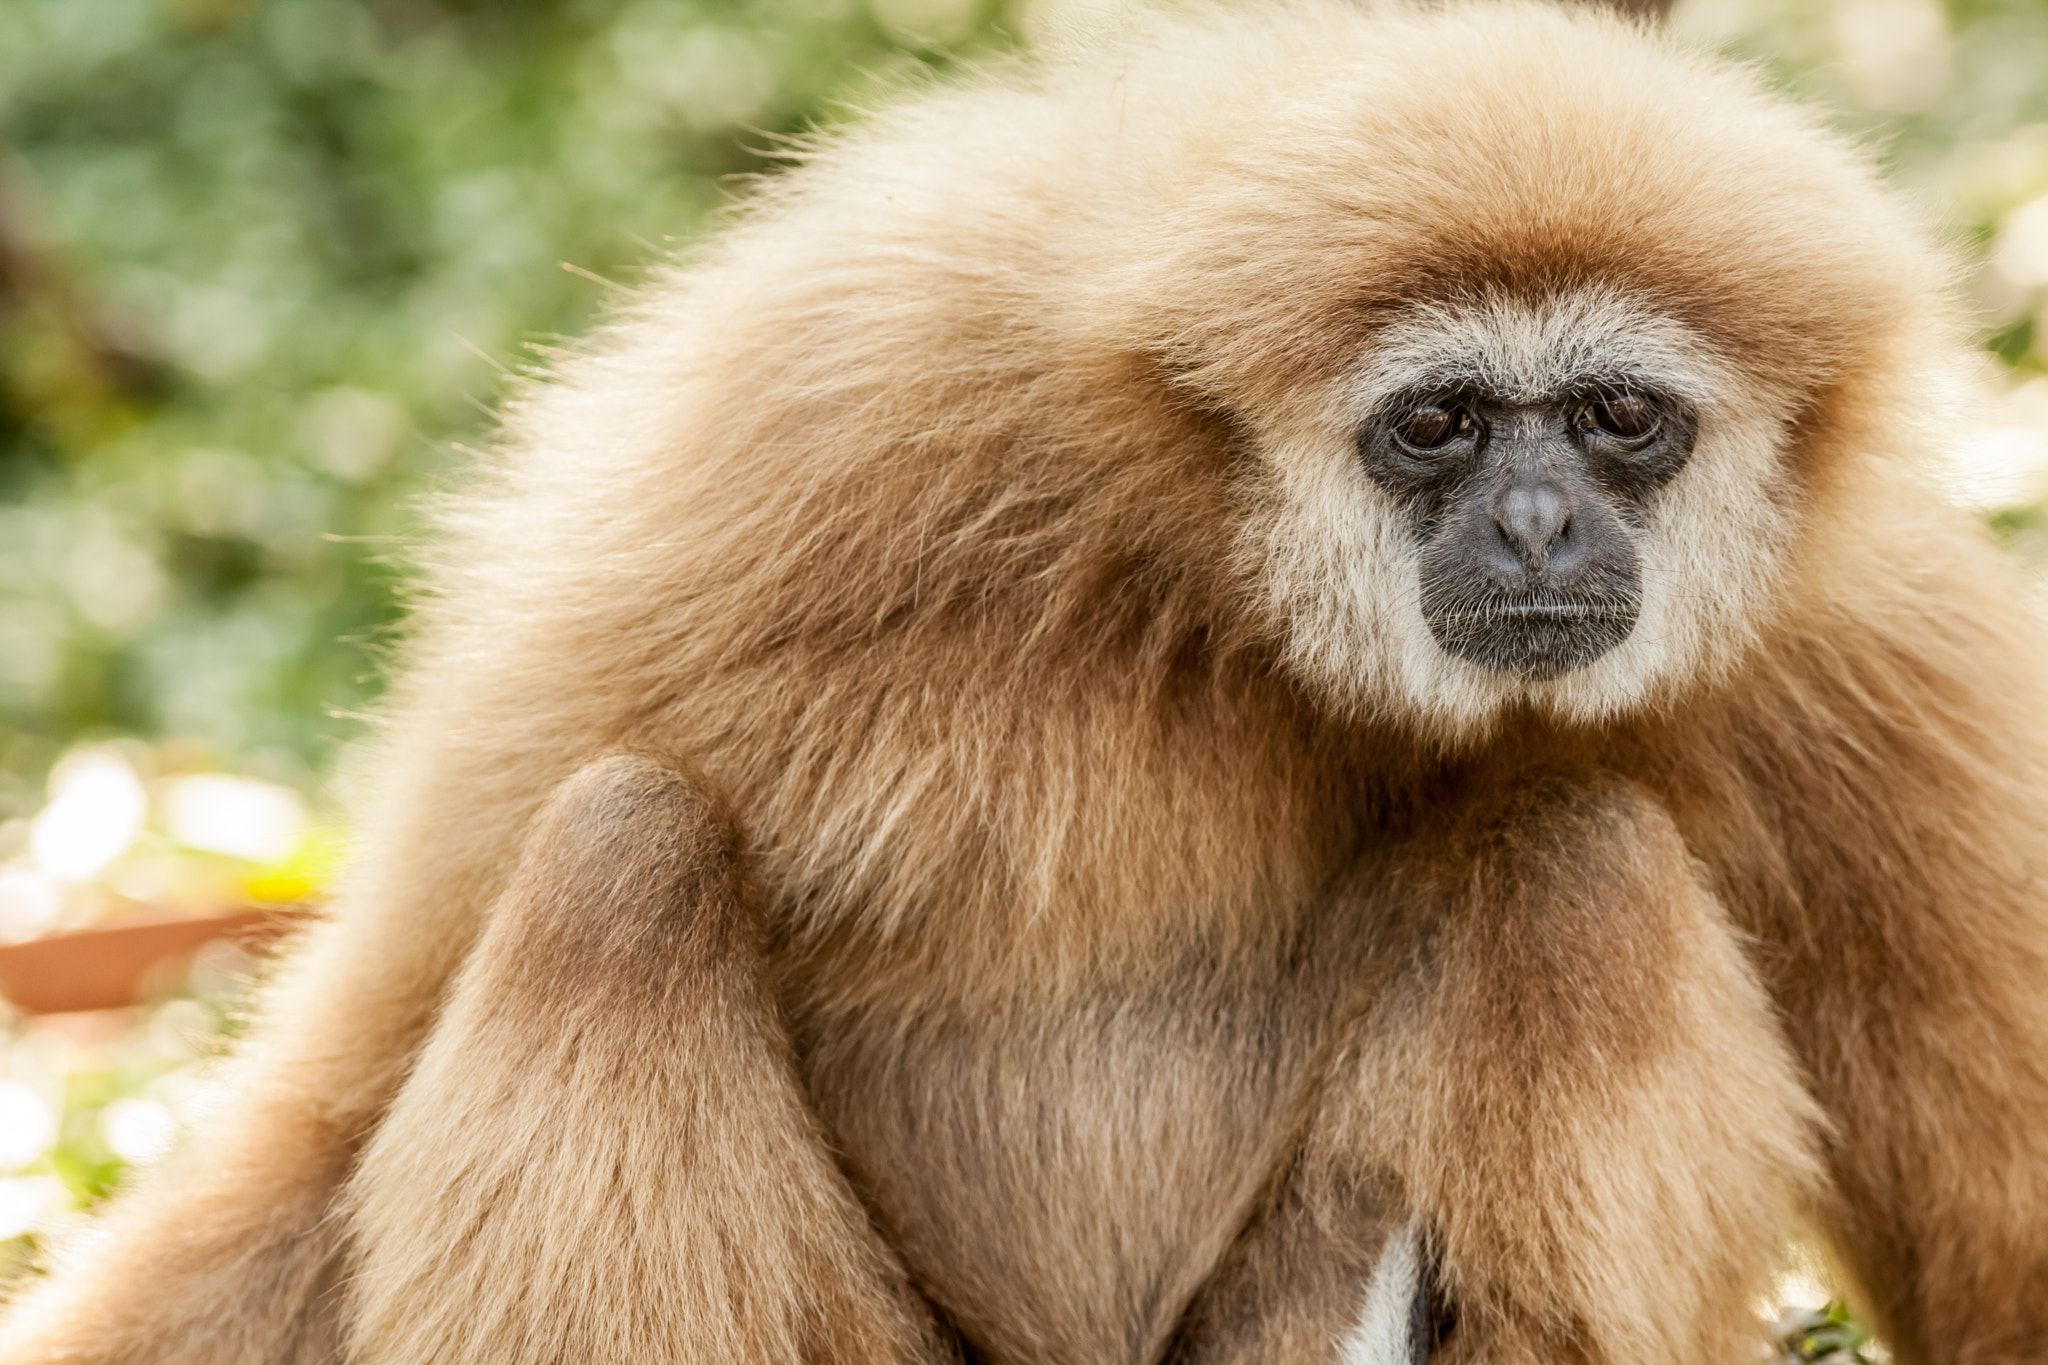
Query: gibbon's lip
{"type": "Point", "coordinates": [1540, 611]}
{"type": "Point", "coordinates": [1535, 640]}
{"type": "Point", "coordinates": [1554, 611]}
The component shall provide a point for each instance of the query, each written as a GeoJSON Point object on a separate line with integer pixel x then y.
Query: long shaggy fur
{"type": "Point", "coordinates": [1060, 902]}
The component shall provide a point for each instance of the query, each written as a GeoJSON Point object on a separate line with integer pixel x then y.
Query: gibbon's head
{"type": "Point", "coordinates": [1469, 360]}
{"type": "Point", "coordinates": [1544, 337]}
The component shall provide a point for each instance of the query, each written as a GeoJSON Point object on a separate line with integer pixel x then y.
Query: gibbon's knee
{"type": "Point", "coordinates": [602, 1153]}
{"type": "Point", "coordinates": [629, 871]}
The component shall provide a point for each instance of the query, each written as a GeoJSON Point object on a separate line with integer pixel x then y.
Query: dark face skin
{"type": "Point", "coordinates": [1528, 514]}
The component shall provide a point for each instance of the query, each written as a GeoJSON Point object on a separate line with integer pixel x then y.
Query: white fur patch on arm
{"type": "Point", "coordinates": [1385, 1331]}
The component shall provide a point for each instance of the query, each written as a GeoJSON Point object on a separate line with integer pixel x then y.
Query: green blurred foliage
{"type": "Point", "coordinates": [1828, 1335]}
{"type": "Point", "coordinates": [260, 265]}
{"type": "Point", "coordinates": [1955, 98]}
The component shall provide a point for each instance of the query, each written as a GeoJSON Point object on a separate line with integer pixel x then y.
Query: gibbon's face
{"type": "Point", "coordinates": [1564, 503]}
{"type": "Point", "coordinates": [1525, 504]}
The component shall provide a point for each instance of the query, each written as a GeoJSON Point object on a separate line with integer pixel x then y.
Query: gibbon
{"type": "Point", "coordinates": [1288, 687]}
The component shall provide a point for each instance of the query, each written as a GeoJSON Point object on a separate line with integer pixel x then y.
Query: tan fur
{"type": "Point", "coordinates": [1123, 918]}
{"type": "Point", "coordinates": [610, 1126]}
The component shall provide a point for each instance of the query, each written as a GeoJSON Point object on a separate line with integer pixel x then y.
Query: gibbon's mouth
{"type": "Point", "coordinates": [1553, 611]}
{"type": "Point", "coordinates": [1536, 640]}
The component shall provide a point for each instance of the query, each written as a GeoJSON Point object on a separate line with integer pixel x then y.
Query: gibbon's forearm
{"type": "Point", "coordinates": [1548, 1088]}
{"type": "Point", "coordinates": [602, 1153]}
{"type": "Point", "coordinates": [1906, 941]}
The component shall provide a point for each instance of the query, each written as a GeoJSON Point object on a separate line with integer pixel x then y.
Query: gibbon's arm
{"type": "Point", "coordinates": [602, 1154]}
{"type": "Point", "coordinates": [1583, 1101]}
{"type": "Point", "coordinates": [1895, 770]}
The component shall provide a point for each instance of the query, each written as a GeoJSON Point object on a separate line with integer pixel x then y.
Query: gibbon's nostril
{"type": "Point", "coordinates": [1533, 518]}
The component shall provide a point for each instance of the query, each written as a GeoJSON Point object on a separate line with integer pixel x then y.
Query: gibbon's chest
{"type": "Point", "coordinates": [1061, 1180]}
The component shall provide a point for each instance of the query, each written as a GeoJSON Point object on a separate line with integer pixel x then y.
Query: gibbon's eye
{"type": "Point", "coordinates": [1431, 426]}
{"type": "Point", "coordinates": [1625, 416]}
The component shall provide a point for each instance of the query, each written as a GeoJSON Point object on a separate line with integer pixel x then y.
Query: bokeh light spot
{"type": "Point", "coordinates": [237, 816]}
{"type": "Point", "coordinates": [27, 1124]}
{"type": "Point", "coordinates": [96, 809]}
{"type": "Point", "coordinates": [138, 1130]}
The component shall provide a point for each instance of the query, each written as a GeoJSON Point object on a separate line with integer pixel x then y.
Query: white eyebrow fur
{"type": "Point", "coordinates": [1530, 351]}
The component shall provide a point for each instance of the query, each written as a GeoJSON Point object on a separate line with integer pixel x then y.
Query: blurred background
{"type": "Point", "coordinates": [264, 267]}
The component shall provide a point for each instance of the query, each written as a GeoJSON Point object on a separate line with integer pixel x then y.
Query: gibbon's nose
{"type": "Point", "coordinates": [1533, 517]}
